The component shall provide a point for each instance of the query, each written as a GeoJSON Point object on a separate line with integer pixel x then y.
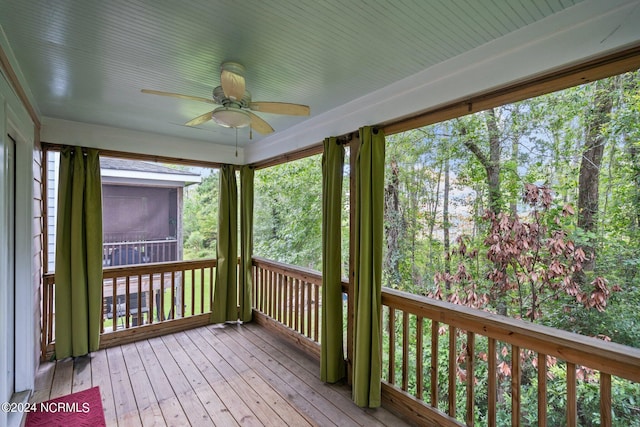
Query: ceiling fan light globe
{"type": "Point", "coordinates": [231, 117]}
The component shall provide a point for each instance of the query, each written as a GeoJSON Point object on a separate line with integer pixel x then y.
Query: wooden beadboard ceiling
{"type": "Point", "coordinates": [86, 60]}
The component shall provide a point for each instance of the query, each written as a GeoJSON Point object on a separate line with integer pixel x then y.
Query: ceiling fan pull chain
{"type": "Point", "coordinates": [236, 142]}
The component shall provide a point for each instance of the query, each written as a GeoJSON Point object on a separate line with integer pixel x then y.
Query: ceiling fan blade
{"type": "Point", "coordinates": [281, 108]}
{"type": "Point", "coordinates": [259, 125]}
{"type": "Point", "coordinates": [232, 83]}
{"type": "Point", "coordinates": [178, 95]}
{"type": "Point", "coordinates": [199, 120]}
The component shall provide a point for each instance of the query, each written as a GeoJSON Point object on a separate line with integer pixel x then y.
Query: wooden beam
{"type": "Point", "coordinates": [555, 80]}
{"type": "Point", "coordinates": [308, 345]}
{"type": "Point", "coordinates": [144, 157]}
{"type": "Point", "coordinates": [290, 157]}
{"type": "Point", "coordinates": [415, 410]}
{"type": "Point", "coordinates": [112, 339]}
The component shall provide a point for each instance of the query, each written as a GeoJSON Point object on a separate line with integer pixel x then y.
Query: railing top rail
{"type": "Point", "coordinates": [306, 274]}
{"type": "Point", "coordinates": [148, 268]}
{"type": "Point", "coordinates": [139, 242]}
{"type": "Point", "coordinates": [157, 267]}
{"type": "Point", "coordinates": [612, 358]}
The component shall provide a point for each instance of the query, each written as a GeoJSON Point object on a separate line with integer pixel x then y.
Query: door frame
{"type": "Point", "coordinates": [15, 121]}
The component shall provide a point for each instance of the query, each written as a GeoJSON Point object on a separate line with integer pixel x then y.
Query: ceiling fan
{"type": "Point", "coordinates": [235, 102]}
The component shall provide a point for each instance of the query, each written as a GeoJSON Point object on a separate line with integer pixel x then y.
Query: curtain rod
{"type": "Point", "coordinates": [137, 156]}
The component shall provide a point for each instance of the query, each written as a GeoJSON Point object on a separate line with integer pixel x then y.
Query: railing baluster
{"type": "Point", "coordinates": [435, 337]}
{"type": "Point", "coordinates": [605, 399]}
{"type": "Point", "coordinates": [302, 306]}
{"type": "Point", "coordinates": [309, 308]}
{"type": "Point", "coordinates": [298, 306]}
{"type": "Point", "coordinates": [492, 392]}
{"type": "Point", "coordinates": [453, 365]}
{"type": "Point", "coordinates": [161, 308]}
{"type": "Point", "coordinates": [285, 299]}
{"type": "Point", "coordinates": [471, 349]}
{"type": "Point", "coordinates": [102, 309]}
{"type": "Point", "coordinates": [405, 351]}
{"type": "Point", "coordinates": [316, 311]}
{"type": "Point", "coordinates": [392, 346]}
{"type": "Point", "coordinates": [419, 357]}
{"type": "Point", "coordinates": [126, 302]}
{"type": "Point", "coordinates": [572, 406]}
{"type": "Point", "coordinates": [272, 294]}
{"type": "Point", "coordinates": [150, 294]}
{"type": "Point", "coordinates": [114, 304]}
{"type": "Point", "coordinates": [212, 273]}
{"type": "Point", "coordinates": [264, 285]}
{"type": "Point", "coordinates": [263, 289]}
{"type": "Point", "coordinates": [279, 298]}
{"type": "Point", "coordinates": [139, 300]}
{"type": "Point", "coordinates": [193, 291]}
{"type": "Point", "coordinates": [542, 390]}
{"type": "Point", "coordinates": [172, 313]}
{"type": "Point", "coordinates": [515, 385]}
{"type": "Point", "coordinates": [292, 302]}
{"type": "Point", "coordinates": [202, 287]}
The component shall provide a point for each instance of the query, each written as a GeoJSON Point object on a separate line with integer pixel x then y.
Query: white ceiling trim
{"type": "Point", "coordinates": [8, 51]}
{"type": "Point", "coordinates": [576, 34]}
{"type": "Point", "coordinates": [58, 131]}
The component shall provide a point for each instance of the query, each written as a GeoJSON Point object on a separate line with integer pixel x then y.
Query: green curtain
{"type": "Point", "coordinates": [246, 242]}
{"type": "Point", "coordinates": [225, 295]}
{"type": "Point", "coordinates": [368, 241]}
{"type": "Point", "coordinates": [78, 253]}
{"type": "Point", "coordinates": [332, 367]}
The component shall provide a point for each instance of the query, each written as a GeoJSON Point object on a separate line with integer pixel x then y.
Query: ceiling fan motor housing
{"type": "Point", "coordinates": [220, 98]}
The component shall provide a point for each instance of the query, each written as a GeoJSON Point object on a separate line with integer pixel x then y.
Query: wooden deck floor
{"type": "Point", "coordinates": [216, 375]}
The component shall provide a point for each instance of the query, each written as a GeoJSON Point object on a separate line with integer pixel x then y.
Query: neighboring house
{"type": "Point", "coordinates": [142, 210]}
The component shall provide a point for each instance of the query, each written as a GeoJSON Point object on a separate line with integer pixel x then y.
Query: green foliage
{"type": "Point", "coordinates": [288, 213]}
{"type": "Point", "coordinates": [200, 218]}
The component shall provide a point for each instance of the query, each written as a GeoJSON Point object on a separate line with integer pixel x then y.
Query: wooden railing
{"type": "Point", "coordinates": [289, 296]}
{"type": "Point", "coordinates": [436, 353]}
{"type": "Point", "coordinates": [142, 300]}
{"type": "Point", "coordinates": [139, 252]}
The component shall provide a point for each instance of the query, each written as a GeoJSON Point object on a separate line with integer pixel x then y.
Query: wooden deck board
{"type": "Point", "coordinates": [81, 374]}
{"type": "Point", "coordinates": [62, 379]}
{"type": "Point", "coordinates": [169, 404]}
{"type": "Point", "coordinates": [124, 399]}
{"type": "Point", "coordinates": [146, 401]}
{"type": "Point", "coordinates": [307, 369]}
{"type": "Point", "coordinates": [215, 375]}
{"type": "Point", "coordinates": [101, 378]}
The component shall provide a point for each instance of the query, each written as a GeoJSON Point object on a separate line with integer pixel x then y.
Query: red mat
{"type": "Point", "coordinates": [73, 410]}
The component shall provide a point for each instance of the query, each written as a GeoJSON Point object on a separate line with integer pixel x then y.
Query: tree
{"type": "Point", "coordinates": [288, 212]}
{"type": "Point", "coordinates": [200, 218]}
{"type": "Point", "coordinates": [490, 160]}
{"type": "Point", "coordinates": [596, 118]}
{"type": "Point", "coordinates": [534, 262]}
